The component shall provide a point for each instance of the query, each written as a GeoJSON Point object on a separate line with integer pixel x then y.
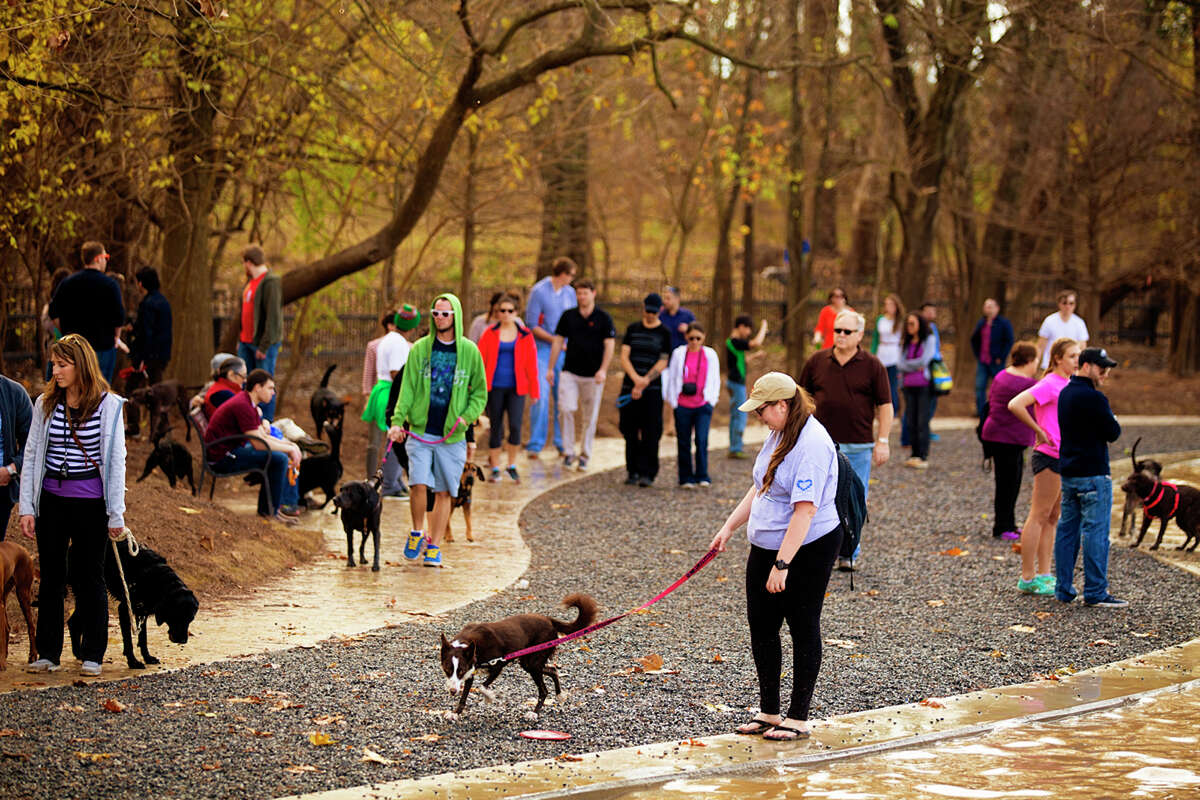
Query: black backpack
{"type": "Point", "coordinates": [851, 502]}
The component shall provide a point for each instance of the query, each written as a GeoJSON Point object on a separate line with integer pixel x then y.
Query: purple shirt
{"type": "Point", "coordinates": [1001, 425]}
{"type": "Point", "coordinates": [86, 489]}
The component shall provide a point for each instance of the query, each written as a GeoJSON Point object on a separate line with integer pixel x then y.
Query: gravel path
{"type": "Point", "coordinates": [917, 624]}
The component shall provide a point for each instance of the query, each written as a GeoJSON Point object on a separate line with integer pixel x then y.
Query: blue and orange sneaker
{"type": "Point", "coordinates": [415, 545]}
{"type": "Point", "coordinates": [433, 555]}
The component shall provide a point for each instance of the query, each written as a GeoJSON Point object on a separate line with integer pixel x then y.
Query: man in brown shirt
{"type": "Point", "coordinates": [851, 389]}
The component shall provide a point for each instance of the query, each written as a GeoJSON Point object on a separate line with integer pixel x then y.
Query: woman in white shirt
{"type": "Point", "coordinates": [692, 386]}
{"type": "Point", "coordinates": [885, 344]}
{"type": "Point", "coordinates": [792, 522]}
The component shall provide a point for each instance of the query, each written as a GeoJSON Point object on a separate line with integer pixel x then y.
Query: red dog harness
{"type": "Point", "coordinates": [1156, 495]}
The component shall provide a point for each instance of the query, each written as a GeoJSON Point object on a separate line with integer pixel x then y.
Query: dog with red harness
{"type": "Point", "coordinates": [482, 647]}
{"type": "Point", "coordinates": [1163, 500]}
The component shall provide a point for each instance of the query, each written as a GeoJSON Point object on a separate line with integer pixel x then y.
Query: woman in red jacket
{"type": "Point", "coordinates": [510, 359]}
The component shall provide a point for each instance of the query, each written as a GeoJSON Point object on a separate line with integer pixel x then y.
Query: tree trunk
{"type": "Point", "coordinates": [1184, 358]}
{"type": "Point", "coordinates": [796, 321]}
{"type": "Point", "coordinates": [748, 265]}
{"type": "Point", "coordinates": [820, 18]}
{"type": "Point", "coordinates": [469, 217]}
{"type": "Point", "coordinates": [189, 202]}
{"type": "Point", "coordinates": [564, 169]}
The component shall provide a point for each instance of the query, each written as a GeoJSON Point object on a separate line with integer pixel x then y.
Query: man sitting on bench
{"type": "Point", "coordinates": [239, 417]}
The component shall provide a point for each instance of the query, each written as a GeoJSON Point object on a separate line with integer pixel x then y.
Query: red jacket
{"type": "Point", "coordinates": [524, 358]}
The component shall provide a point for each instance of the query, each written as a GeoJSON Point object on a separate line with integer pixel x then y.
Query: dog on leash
{"type": "Point", "coordinates": [16, 574]}
{"type": "Point", "coordinates": [173, 459]}
{"type": "Point", "coordinates": [479, 643]}
{"type": "Point", "coordinates": [466, 484]}
{"type": "Point", "coordinates": [154, 589]}
{"type": "Point", "coordinates": [360, 506]}
{"type": "Point", "coordinates": [1163, 500]}
{"type": "Point", "coordinates": [322, 471]}
{"type": "Point", "coordinates": [1132, 502]}
{"type": "Point", "coordinates": [158, 400]}
{"type": "Point", "coordinates": [326, 407]}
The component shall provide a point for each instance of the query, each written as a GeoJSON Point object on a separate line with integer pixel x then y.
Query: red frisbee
{"type": "Point", "coordinates": [546, 736]}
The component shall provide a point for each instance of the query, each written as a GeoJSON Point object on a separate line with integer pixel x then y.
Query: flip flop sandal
{"type": "Point", "coordinates": [799, 734]}
{"type": "Point", "coordinates": [763, 727]}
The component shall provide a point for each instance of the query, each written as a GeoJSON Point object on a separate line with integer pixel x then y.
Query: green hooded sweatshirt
{"type": "Point", "coordinates": [467, 398]}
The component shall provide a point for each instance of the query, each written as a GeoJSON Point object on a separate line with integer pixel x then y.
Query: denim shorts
{"type": "Point", "coordinates": [438, 466]}
{"type": "Point", "coordinates": [1040, 461]}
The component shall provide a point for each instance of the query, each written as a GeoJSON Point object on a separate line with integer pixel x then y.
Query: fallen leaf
{"type": "Point", "coordinates": [717, 658]}
{"type": "Point", "coordinates": [1100, 643]}
{"type": "Point", "coordinates": [560, 505]}
{"type": "Point", "coordinates": [1145, 634]}
{"type": "Point", "coordinates": [872, 592]}
{"type": "Point", "coordinates": [650, 663]}
{"type": "Point", "coordinates": [187, 510]}
{"type": "Point", "coordinates": [1016, 547]}
{"type": "Point", "coordinates": [95, 756]}
{"type": "Point", "coordinates": [1022, 628]}
{"type": "Point", "coordinates": [719, 708]}
{"type": "Point", "coordinates": [935, 603]}
{"type": "Point", "coordinates": [113, 705]}
{"type": "Point", "coordinates": [568, 757]}
{"type": "Point", "coordinates": [1043, 614]}
{"type": "Point", "coordinates": [845, 644]}
{"type": "Point", "coordinates": [173, 705]}
{"type": "Point", "coordinates": [261, 734]}
{"type": "Point", "coordinates": [722, 578]}
{"type": "Point", "coordinates": [251, 699]}
{"type": "Point", "coordinates": [429, 737]}
{"type": "Point", "coordinates": [301, 768]}
{"type": "Point", "coordinates": [371, 756]}
{"type": "Point", "coordinates": [998, 654]}
{"type": "Point", "coordinates": [207, 543]}
{"type": "Point", "coordinates": [693, 743]}
{"type": "Point", "coordinates": [932, 702]}
{"type": "Point", "coordinates": [10, 732]}
{"type": "Point", "coordinates": [955, 551]}
{"type": "Point", "coordinates": [211, 767]}
{"type": "Point", "coordinates": [320, 739]}
{"type": "Point", "coordinates": [328, 719]}
{"type": "Point", "coordinates": [674, 552]}
{"type": "Point", "coordinates": [65, 707]}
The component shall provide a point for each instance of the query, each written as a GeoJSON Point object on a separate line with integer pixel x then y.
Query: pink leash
{"type": "Point", "coordinates": [701, 564]}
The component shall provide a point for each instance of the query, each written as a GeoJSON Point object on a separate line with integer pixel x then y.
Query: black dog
{"type": "Point", "coordinates": [466, 483]}
{"type": "Point", "coordinates": [1132, 502]}
{"type": "Point", "coordinates": [154, 589]}
{"type": "Point", "coordinates": [326, 407]}
{"type": "Point", "coordinates": [324, 471]}
{"type": "Point", "coordinates": [1164, 501]}
{"type": "Point", "coordinates": [476, 644]}
{"type": "Point", "coordinates": [174, 460]}
{"type": "Point", "coordinates": [158, 400]}
{"type": "Point", "coordinates": [361, 508]}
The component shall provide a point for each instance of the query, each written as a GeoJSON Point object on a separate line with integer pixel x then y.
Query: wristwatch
{"type": "Point", "coordinates": [12, 470]}
{"type": "Point", "coordinates": [781, 565]}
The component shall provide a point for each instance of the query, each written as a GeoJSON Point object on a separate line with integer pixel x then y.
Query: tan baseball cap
{"type": "Point", "coordinates": [769, 388]}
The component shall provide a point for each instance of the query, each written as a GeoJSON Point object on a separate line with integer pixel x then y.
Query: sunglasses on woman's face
{"type": "Point", "coordinates": [506, 310]}
{"type": "Point", "coordinates": [695, 338]}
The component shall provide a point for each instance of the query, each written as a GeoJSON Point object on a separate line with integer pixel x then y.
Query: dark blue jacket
{"type": "Point", "coordinates": [1001, 342]}
{"type": "Point", "coordinates": [16, 412]}
{"type": "Point", "coordinates": [1087, 426]}
{"type": "Point", "coordinates": [152, 330]}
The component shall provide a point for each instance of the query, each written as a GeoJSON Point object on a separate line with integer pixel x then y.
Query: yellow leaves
{"type": "Point", "coordinates": [845, 644]}
{"type": "Point", "coordinates": [650, 663]}
{"type": "Point", "coordinates": [113, 706]}
{"type": "Point", "coordinates": [95, 757]}
{"type": "Point", "coordinates": [935, 603]}
{"type": "Point", "coordinates": [955, 551]}
{"type": "Point", "coordinates": [1022, 628]}
{"type": "Point", "coordinates": [371, 757]}
{"type": "Point", "coordinates": [187, 510]}
{"type": "Point", "coordinates": [329, 719]}
{"type": "Point", "coordinates": [320, 739]}
{"type": "Point", "coordinates": [252, 700]}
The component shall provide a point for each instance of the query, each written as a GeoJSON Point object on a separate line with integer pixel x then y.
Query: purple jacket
{"type": "Point", "coordinates": [1001, 426]}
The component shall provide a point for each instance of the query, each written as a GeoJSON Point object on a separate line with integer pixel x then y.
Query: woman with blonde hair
{"type": "Point", "coordinates": [792, 522]}
{"type": "Point", "coordinates": [72, 494]}
{"type": "Point", "coordinates": [1037, 537]}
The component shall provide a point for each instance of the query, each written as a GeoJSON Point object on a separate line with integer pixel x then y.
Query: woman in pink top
{"type": "Point", "coordinates": [1037, 539]}
{"type": "Point", "coordinates": [692, 385]}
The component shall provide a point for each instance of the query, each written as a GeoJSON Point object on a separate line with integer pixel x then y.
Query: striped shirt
{"type": "Point", "coordinates": [63, 453]}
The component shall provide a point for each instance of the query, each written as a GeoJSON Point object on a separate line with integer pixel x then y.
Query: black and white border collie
{"type": "Point", "coordinates": [478, 643]}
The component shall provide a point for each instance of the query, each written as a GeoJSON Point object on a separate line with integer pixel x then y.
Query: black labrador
{"type": "Point", "coordinates": [173, 459]}
{"type": "Point", "coordinates": [326, 407]}
{"type": "Point", "coordinates": [322, 471]}
{"type": "Point", "coordinates": [361, 509]}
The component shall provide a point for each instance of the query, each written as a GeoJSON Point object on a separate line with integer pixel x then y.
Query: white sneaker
{"type": "Point", "coordinates": [43, 665]}
{"type": "Point", "coordinates": [90, 668]}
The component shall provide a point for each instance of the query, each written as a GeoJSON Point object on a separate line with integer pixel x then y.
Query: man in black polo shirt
{"type": "Point", "coordinates": [851, 389]}
{"type": "Point", "coordinates": [590, 337]}
{"type": "Point", "coordinates": [644, 353]}
{"type": "Point", "coordinates": [1087, 425]}
{"type": "Point", "coordinates": [89, 303]}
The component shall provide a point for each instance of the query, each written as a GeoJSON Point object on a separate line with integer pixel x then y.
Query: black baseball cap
{"type": "Point", "coordinates": [1097, 356]}
{"type": "Point", "coordinates": [653, 302]}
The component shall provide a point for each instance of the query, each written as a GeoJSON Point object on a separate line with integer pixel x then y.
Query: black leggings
{"type": "Point", "coordinates": [499, 402]}
{"type": "Point", "coordinates": [1008, 461]}
{"type": "Point", "coordinates": [72, 537]}
{"type": "Point", "coordinates": [800, 604]}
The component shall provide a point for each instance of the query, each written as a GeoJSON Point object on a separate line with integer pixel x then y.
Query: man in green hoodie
{"type": "Point", "coordinates": [443, 391]}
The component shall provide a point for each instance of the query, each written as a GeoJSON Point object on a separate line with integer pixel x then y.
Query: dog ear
{"type": "Point", "coordinates": [445, 644]}
{"type": "Point", "coordinates": [478, 471]}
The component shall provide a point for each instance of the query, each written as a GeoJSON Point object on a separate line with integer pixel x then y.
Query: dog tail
{"type": "Point", "coordinates": [1133, 454]}
{"type": "Point", "coordinates": [586, 616]}
{"type": "Point", "coordinates": [325, 379]}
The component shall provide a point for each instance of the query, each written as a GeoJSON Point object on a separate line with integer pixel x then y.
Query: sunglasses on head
{"type": "Point", "coordinates": [439, 313]}
{"type": "Point", "coordinates": [845, 331]}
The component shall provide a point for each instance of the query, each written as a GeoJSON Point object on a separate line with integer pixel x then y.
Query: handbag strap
{"type": "Point", "coordinates": [75, 436]}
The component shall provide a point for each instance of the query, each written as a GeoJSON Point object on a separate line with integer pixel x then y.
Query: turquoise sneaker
{"type": "Point", "coordinates": [1034, 586]}
{"type": "Point", "coordinates": [1048, 581]}
{"type": "Point", "coordinates": [415, 545]}
{"type": "Point", "coordinates": [433, 556]}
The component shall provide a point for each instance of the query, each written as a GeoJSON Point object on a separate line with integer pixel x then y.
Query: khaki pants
{"type": "Point", "coordinates": [583, 394]}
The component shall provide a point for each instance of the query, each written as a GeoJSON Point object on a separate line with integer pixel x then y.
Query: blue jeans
{"type": "Point", "coordinates": [248, 457]}
{"type": "Point", "coordinates": [737, 419]}
{"type": "Point", "coordinates": [246, 353]}
{"type": "Point", "coordinates": [540, 412]}
{"type": "Point", "coordinates": [893, 373]}
{"type": "Point", "coordinates": [1085, 515]}
{"type": "Point", "coordinates": [108, 362]}
{"type": "Point", "coordinates": [686, 421]}
{"type": "Point", "coordinates": [859, 456]}
{"type": "Point", "coordinates": [983, 376]}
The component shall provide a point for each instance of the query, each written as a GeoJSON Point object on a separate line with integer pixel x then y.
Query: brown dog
{"type": "Point", "coordinates": [466, 484]}
{"type": "Point", "coordinates": [158, 400]}
{"type": "Point", "coordinates": [16, 572]}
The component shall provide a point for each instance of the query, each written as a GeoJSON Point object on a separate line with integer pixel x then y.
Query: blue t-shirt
{"type": "Point", "coordinates": [672, 322]}
{"type": "Point", "coordinates": [808, 473]}
{"type": "Point", "coordinates": [545, 306]}
{"type": "Point", "coordinates": [442, 361]}
{"type": "Point", "coordinates": [505, 376]}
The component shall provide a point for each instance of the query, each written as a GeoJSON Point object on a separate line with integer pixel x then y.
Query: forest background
{"type": "Point", "coordinates": [384, 151]}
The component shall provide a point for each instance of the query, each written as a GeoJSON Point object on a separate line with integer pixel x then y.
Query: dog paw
{"type": "Point", "coordinates": [531, 716]}
{"type": "Point", "coordinates": [374, 568]}
{"type": "Point", "coordinates": [488, 694]}
{"type": "Point", "coordinates": [134, 664]}
{"type": "Point", "coordinates": [1155, 547]}
{"type": "Point", "coordinates": [451, 716]}
{"type": "Point", "coordinates": [152, 660]}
